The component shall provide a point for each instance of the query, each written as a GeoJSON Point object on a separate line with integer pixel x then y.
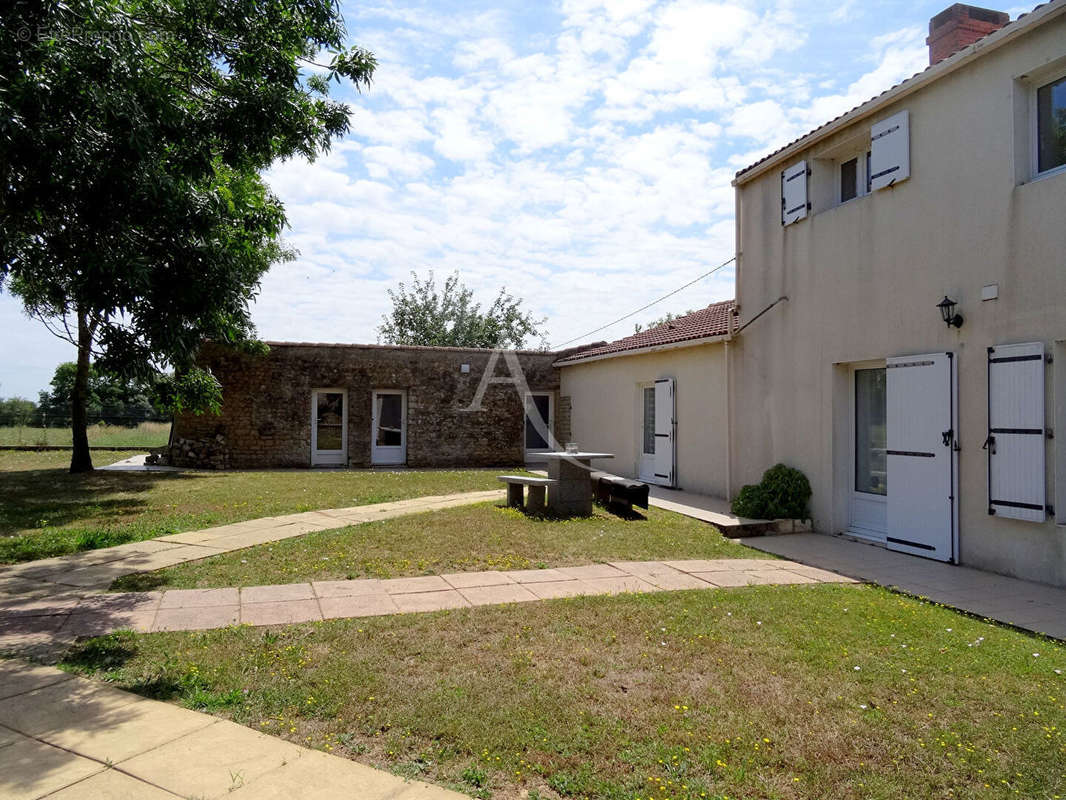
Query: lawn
{"type": "Point", "coordinates": [476, 537]}
{"type": "Point", "coordinates": [761, 692]}
{"type": "Point", "coordinates": [44, 511]}
{"type": "Point", "coordinates": [144, 435]}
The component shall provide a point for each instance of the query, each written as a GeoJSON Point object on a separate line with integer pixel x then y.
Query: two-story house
{"type": "Point", "coordinates": [911, 254]}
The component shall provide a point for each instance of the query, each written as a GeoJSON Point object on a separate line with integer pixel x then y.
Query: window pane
{"type": "Point", "coordinates": [537, 407]}
{"type": "Point", "coordinates": [869, 175]}
{"type": "Point", "coordinates": [649, 421]}
{"type": "Point", "coordinates": [330, 421]}
{"type": "Point", "coordinates": [849, 180]}
{"type": "Point", "coordinates": [1051, 125]}
{"type": "Point", "coordinates": [390, 420]}
{"type": "Point", "coordinates": [870, 435]}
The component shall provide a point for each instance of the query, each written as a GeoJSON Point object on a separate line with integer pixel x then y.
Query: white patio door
{"type": "Point", "coordinates": [388, 427]}
{"type": "Point", "coordinates": [921, 455]}
{"type": "Point", "coordinates": [665, 431]}
{"type": "Point", "coordinates": [329, 426]}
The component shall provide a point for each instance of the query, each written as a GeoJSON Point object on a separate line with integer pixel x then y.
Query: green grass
{"type": "Point", "coordinates": [826, 692]}
{"type": "Point", "coordinates": [451, 540]}
{"type": "Point", "coordinates": [44, 511]}
{"type": "Point", "coordinates": [146, 435]}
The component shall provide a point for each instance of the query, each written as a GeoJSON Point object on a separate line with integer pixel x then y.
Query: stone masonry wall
{"type": "Point", "coordinates": [266, 414]}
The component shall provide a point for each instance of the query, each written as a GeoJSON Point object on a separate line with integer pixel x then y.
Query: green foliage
{"type": "Point", "coordinates": [783, 493]}
{"type": "Point", "coordinates": [422, 315]}
{"type": "Point", "coordinates": [474, 776]}
{"type": "Point", "coordinates": [17, 411]}
{"type": "Point", "coordinates": [133, 133]}
{"type": "Point", "coordinates": [111, 398]}
{"type": "Point", "coordinates": [195, 390]}
{"type": "Point", "coordinates": [655, 323]}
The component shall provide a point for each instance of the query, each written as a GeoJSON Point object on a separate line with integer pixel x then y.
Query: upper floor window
{"type": "Point", "coordinates": [1051, 125]}
{"type": "Point", "coordinates": [854, 177]}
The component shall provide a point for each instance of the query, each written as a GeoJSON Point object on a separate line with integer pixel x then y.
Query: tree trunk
{"type": "Point", "coordinates": [80, 458]}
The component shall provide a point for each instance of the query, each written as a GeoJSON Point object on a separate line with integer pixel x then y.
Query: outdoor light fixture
{"type": "Point", "coordinates": [947, 311]}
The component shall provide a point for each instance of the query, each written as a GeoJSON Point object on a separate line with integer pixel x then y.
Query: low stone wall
{"type": "Point", "coordinates": [266, 413]}
{"type": "Point", "coordinates": [208, 452]}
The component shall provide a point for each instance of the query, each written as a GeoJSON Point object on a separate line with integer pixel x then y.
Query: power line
{"type": "Point", "coordinates": [649, 305]}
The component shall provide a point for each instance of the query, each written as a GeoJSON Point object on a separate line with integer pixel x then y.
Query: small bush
{"type": "Point", "coordinates": [474, 776]}
{"type": "Point", "coordinates": [783, 493]}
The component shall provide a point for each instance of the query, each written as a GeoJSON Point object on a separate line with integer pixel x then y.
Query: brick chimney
{"type": "Point", "coordinates": [958, 26]}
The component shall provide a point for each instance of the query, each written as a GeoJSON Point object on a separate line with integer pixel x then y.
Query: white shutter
{"type": "Point", "coordinates": [664, 431]}
{"type": "Point", "coordinates": [794, 193]}
{"type": "Point", "coordinates": [1016, 479]}
{"type": "Point", "coordinates": [890, 151]}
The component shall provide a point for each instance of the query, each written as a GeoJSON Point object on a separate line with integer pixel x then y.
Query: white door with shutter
{"type": "Point", "coordinates": [388, 427]}
{"type": "Point", "coordinates": [794, 203]}
{"type": "Point", "coordinates": [646, 412]}
{"type": "Point", "coordinates": [1016, 432]}
{"type": "Point", "coordinates": [890, 151]}
{"type": "Point", "coordinates": [665, 432]}
{"type": "Point", "coordinates": [921, 455]}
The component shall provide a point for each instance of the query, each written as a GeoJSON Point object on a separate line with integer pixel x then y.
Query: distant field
{"type": "Point", "coordinates": [147, 434]}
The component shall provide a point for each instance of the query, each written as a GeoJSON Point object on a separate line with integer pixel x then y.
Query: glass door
{"type": "Point", "coordinates": [389, 427]}
{"type": "Point", "coordinates": [539, 422]}
{"type": "Point", "coordinates": [647, 433]}
{"type": "Point", "coordinates": [329, 426]}
{"type": "Point", "coordinates": [869, 514]}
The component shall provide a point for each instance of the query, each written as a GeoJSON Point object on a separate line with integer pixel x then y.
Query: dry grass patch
{"type": "Point", "coordinates": [763, 692]}
{"type": "Point", "coordinates": [461, 539]}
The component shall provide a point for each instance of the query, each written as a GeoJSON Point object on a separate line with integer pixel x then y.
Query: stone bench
{"type": "Point", "coordinates": [537, 487]}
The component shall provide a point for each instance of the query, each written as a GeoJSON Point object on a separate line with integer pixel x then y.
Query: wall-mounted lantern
{"type": "Point", "coordinates": [947, 311]}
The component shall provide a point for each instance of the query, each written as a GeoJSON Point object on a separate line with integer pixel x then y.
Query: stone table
{"type": "Point", "coordinates": [571, 496]}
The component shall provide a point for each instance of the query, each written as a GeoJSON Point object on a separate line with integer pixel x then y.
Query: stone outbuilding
{"type": "Point", "coordinates": [306, 405]}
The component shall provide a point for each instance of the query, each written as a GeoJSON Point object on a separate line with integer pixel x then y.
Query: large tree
{"type": "Point", "coordinates": [133, 220]}
{"type": "Point", "coordinates": [422, 314]}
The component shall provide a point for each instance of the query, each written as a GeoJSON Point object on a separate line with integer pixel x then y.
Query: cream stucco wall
{"type": "Point", "coordinates": [863, 280]}
{"type": "Point", "coordinates": [606, 411]}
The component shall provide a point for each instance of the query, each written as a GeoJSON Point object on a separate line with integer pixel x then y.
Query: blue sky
{"type": "Point", "coordinates": [579, 153]}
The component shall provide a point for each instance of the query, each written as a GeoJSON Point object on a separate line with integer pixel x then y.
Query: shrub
{"type": "Point", "coordinates": [783, 493]}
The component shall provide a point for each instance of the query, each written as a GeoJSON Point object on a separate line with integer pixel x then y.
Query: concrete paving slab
{"type": "Point", "coordinates": [196, 618]}
{"type": "Point", "coordinates": [318, 776]}
{"type": "Point", "coordinates": [21, 634]}
{"type": "Point", "coordinates": [212, 762]}
{"type": "Point", "coordinates": [36, 605]}
{"type": "Point", "coordinates": [62, 706]}
{"type": "Point", "coordinates": [704, 565]}
{"type": "Point", "coordinates": [347, 588]}
{"type": "Point", "coordinates": [33, 769]}
{"type": "Point", "coordinates": [500, 593]}
{"type": "Point", "coordinates": [430, 601]}
{"type": "Point", "coordinates": [277, 592]}
{"type": "Point", "coordinates": [536, 575]}
{"type": "Point", "coordinates": [112, 785]}
{"type": "Point", "coordinates": [465, 580]}
{"type": "Point", "coordinates": [643, 568]}
{"type": "Point", "coordinates": [777, 576]}
{"type": "Point", "coordinates": [675, 580]}
{"type": "Point", "coordinates": [592, 571]}
{"type": "Point", "coordinates": [19, 677]}
{"type": "Point", "coordinates": [364, 605]}
{"type": "Point", "coordinates": [281, 613]}
{"type": "Point", "coordinates": [198, 598]}
{"type": "Point", "coordinates": [426, 583]}
{"type": "Point", "coordinates": [550, 590]}
{"type": "Point", "coordinates": [725, 578]}
{"type": "Point", "coordinates": [620, 585]}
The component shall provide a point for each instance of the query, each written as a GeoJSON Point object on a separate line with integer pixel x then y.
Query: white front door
{"type": "Point", "coordinates": [921, 455]}
{"type": "Point", "coordinates": [388, 427]}
{"type": "Point", "coordinates": [868, 517]}
{"type": "Point", "coordinates": [665, 431]}
{"type": "Point", "coordinates": [329, 426]}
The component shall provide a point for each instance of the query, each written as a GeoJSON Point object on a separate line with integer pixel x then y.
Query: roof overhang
{"type": "Point", "coordinates": [957, 61]}
{"type": "Point", "coordinates": [655, 348]}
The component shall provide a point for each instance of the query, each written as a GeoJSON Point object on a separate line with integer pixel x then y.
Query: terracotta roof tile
{"type": "Point", "coordinates": [710, 321]}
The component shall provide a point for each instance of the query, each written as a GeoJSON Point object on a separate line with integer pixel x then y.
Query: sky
{"type": "Point", "coordinates": [578, 153]}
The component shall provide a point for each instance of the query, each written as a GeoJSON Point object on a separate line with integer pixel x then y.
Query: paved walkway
{"type": "Point", "coordinates": [1033, 606]}
{"type": "Point", "coordinates": [68, 738]}
{"type": "Point", "coordinates": [33, 622]}
{"type": "Point", "coordinates": [95, 570]}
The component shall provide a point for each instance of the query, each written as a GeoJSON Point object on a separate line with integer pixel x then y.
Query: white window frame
{"type": "Point", "coordinates": [1036, 83]}
{"type": "Point", "coordinates": [862, 175]}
